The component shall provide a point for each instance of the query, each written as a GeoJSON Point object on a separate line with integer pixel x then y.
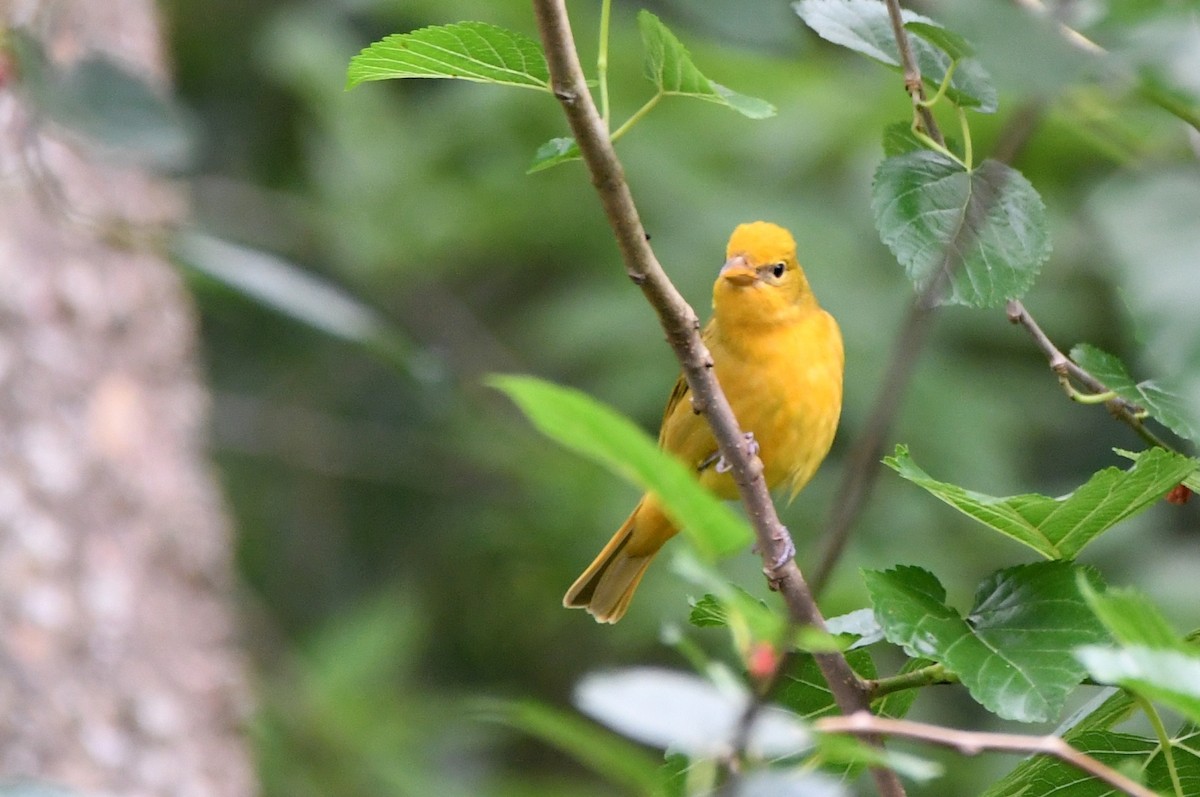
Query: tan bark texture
{"type": "Point", "coordinates": [120, 672]}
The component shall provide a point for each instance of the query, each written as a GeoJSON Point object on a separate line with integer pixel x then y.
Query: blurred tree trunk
{"type": "Point", "coordinates": [119, 667]}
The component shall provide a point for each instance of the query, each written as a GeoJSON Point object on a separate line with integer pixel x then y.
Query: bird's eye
{"type": "Point", "coordinates": [778, 269]}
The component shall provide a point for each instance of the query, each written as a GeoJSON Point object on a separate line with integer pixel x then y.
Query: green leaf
{"type": "Point", "coordinates": [708, 612]}
{"type": "Point", "coordinates": [1171, 677]}
{"type": "Point", "coordinates": [106, 103]}
{"type": "Point", "coordinates": [554, 152]}
{"type": "Point", "coordinates": [1191, 481]}
{"type": "Point", "coordinates": [685, 713]}
{"type": "Point", "coordinates": [1040, 775]}
{"type": "Point", "coordinates": [804, 690]}
{"type": "Point", "coordinates": [669, 66]}
{"type": "Point", "coordinates": [1131, 617]}
{"type": "Point", "coordinates": [604, 752]}
{"type": "Point", "coordinates": [898, 139]}
{"type": "Point", "coordinates": [1165, 405]}
{"type": "Point", "coordinates": [1058, 528]}
{"type": "Point", "coordinates": [472, 51]}
{"type": "Point", "coordinates": [981, 234]}
{"type": "Point", "coordinates": [1138, 756]}
{"type": "Point", "coordinates": [600, 433]}
{"type": "Point", "coordinates": [864, 26]}
{"type": "Point", "coordinates": [946, 40]}
{"type": "Point", "coordinates": [1013, 651]}
{"type": "Point", "coordinates": [748, 617]}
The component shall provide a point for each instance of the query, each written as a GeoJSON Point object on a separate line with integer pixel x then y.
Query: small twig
{"type": "Point", "coordinates": [972, 743]}
{"type": "Point", "coordinates": [682, 327]}
{"type": "Point", "coordinates": [1070, 373]}
{"type": "Point", "coordinates": [913, 82]}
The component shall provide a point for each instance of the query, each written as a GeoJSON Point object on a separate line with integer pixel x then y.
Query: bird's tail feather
{"type": "Point", "coordinates": [607, 585]}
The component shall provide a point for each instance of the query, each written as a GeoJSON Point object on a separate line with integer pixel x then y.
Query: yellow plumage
{"type": "Point", "coordinates": [778, 357]}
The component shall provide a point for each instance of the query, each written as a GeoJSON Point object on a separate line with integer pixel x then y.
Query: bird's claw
{"type": "Point", "coordinates": [751, 446]}
{"type": "Point", "coordinates": [786, 553]}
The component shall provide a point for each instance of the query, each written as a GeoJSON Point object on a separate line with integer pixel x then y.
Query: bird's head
{"type": "Point", "coordinates": [761, 281]}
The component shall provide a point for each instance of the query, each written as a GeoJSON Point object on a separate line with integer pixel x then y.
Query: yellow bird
{"type": "Point", "coordinates": [779, 359]}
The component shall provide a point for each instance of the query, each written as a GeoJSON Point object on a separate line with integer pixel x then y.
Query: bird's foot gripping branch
{"type": "Point", "coordinates": [967, 229]}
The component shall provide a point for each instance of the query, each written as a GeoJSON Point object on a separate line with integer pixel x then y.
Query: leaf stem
{"type": "Point", "coordinates": [973, 743]}
{"type": "Point", "coordinates": [602, 60]}
{"type": "Point", "coordinates": [1164, 739]}
{"type": "Point", "coordinates": [935, 146]}
{"type": "Point", "coordinates": [941, 92]}
{"type": "Point", "coordinates": [637, 116]}
{"type": "Point", "coordinates": [968, 147]}
{"type": "Point", "coordinates": [925, 676]}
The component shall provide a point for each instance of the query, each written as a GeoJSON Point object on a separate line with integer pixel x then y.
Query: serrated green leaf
{"type": "Point", "coordinates": [708, 612]}
{"type": "Point", "coordinates": [585, 425]}
{"type": "Point", "coordinates": [864, 26]}
{"type": "Point", "coordinates": [1111, 707]}
{"type": "Point", "coordinates": [1191, 481]}
{"type": "Point", "coordinates": [804, 690]}
{"type": "Point", "coordinates": [981, 235]}
{"type": "Point", "coordinates": [601, 750]}
{"type": "Point", "coordinates": [748, 617]}
{"type": "Point", "coordinates": [1171, 677]}
{"type": "Point", "coordinates": [1058, 528]}
{"type": "Point", "coordinates": [669, 66]}
{"type": "Point", "coordinates": [554, 152]}
{"type": "Point", "coordinates": [1164, 404]}
{"type": "Point", "coordinates": [1137, 756]}
{"type": "Point", "coordinates": [472, 51]}
{"type": "Point", "coordinates": [1013, 651]}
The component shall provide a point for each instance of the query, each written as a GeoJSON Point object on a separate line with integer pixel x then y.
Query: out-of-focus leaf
{"type": "Point", "coordinates": [1171, 677]}
{"type": "Point", "coordinates": [474, 51]}
{"type": "Point", "coordinates": [1149, 227]}
{"type": "Point", "coordinates": [949, 42]}
{"type": "Point", "coordinates": [604, 435]}
{"type": "Point", "coordinates": [1165, 404]}
{"type": "Point", "coordinates": [108, 104]}
{"type": "Point", "coordinates": [1131, 617]}
{"type": "Point", "coordinates": [1014, 650]}
{"type": "Point", "coordinates": [785, 783]}
{"type": "Point", "coordinates": [609, 755]}
{"type": "Point", "coordinates": [981, 234]}
{"type": "Point", "coordinates": [288, 289]}
{"type": "Point", "coordinates": [864, 26]}
{"type": "Point", "coordinates": [554, 152]}
{"type": "Point", "coordinates": [684, 713]}
{"type": "Point", "coordinates": [1058, 528]}
{"type": "Point", "coordinates": [861, 623]}
{"type": "Point", "coordinates": [669, 66]}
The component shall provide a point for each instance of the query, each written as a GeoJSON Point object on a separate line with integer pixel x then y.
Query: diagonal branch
{"type": "Point", "coordinates": [681, 325]}
{"type": "Point", "coordinates": [973, 743]}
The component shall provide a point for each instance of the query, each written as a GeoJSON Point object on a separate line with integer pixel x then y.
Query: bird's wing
{"type": "Point", "coordinates": [677, 395]}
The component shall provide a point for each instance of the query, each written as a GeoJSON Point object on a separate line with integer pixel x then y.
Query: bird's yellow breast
{"type": "Point", "coordinates": [784, 385]}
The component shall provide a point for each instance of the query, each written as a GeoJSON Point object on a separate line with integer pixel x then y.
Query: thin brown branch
{"type": "Point", "coordinates": [913, 82]}
{"type": "Point", "coordinates": [972, 743]}
{"type": "Point", "coordinates": [1070, 373]}
{"type": "Point", "coordinates": [681, 325]}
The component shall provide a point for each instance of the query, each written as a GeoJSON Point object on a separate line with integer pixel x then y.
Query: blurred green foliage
{"type": "Point", "coordinates": [405, 538]}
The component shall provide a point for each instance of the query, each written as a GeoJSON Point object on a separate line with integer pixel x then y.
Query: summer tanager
{"type": "Point", "coordinates": [778, 357]}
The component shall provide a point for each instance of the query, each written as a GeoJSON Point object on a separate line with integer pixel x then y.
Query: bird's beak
{"type": "Point", "coordinates": [738, 271]}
